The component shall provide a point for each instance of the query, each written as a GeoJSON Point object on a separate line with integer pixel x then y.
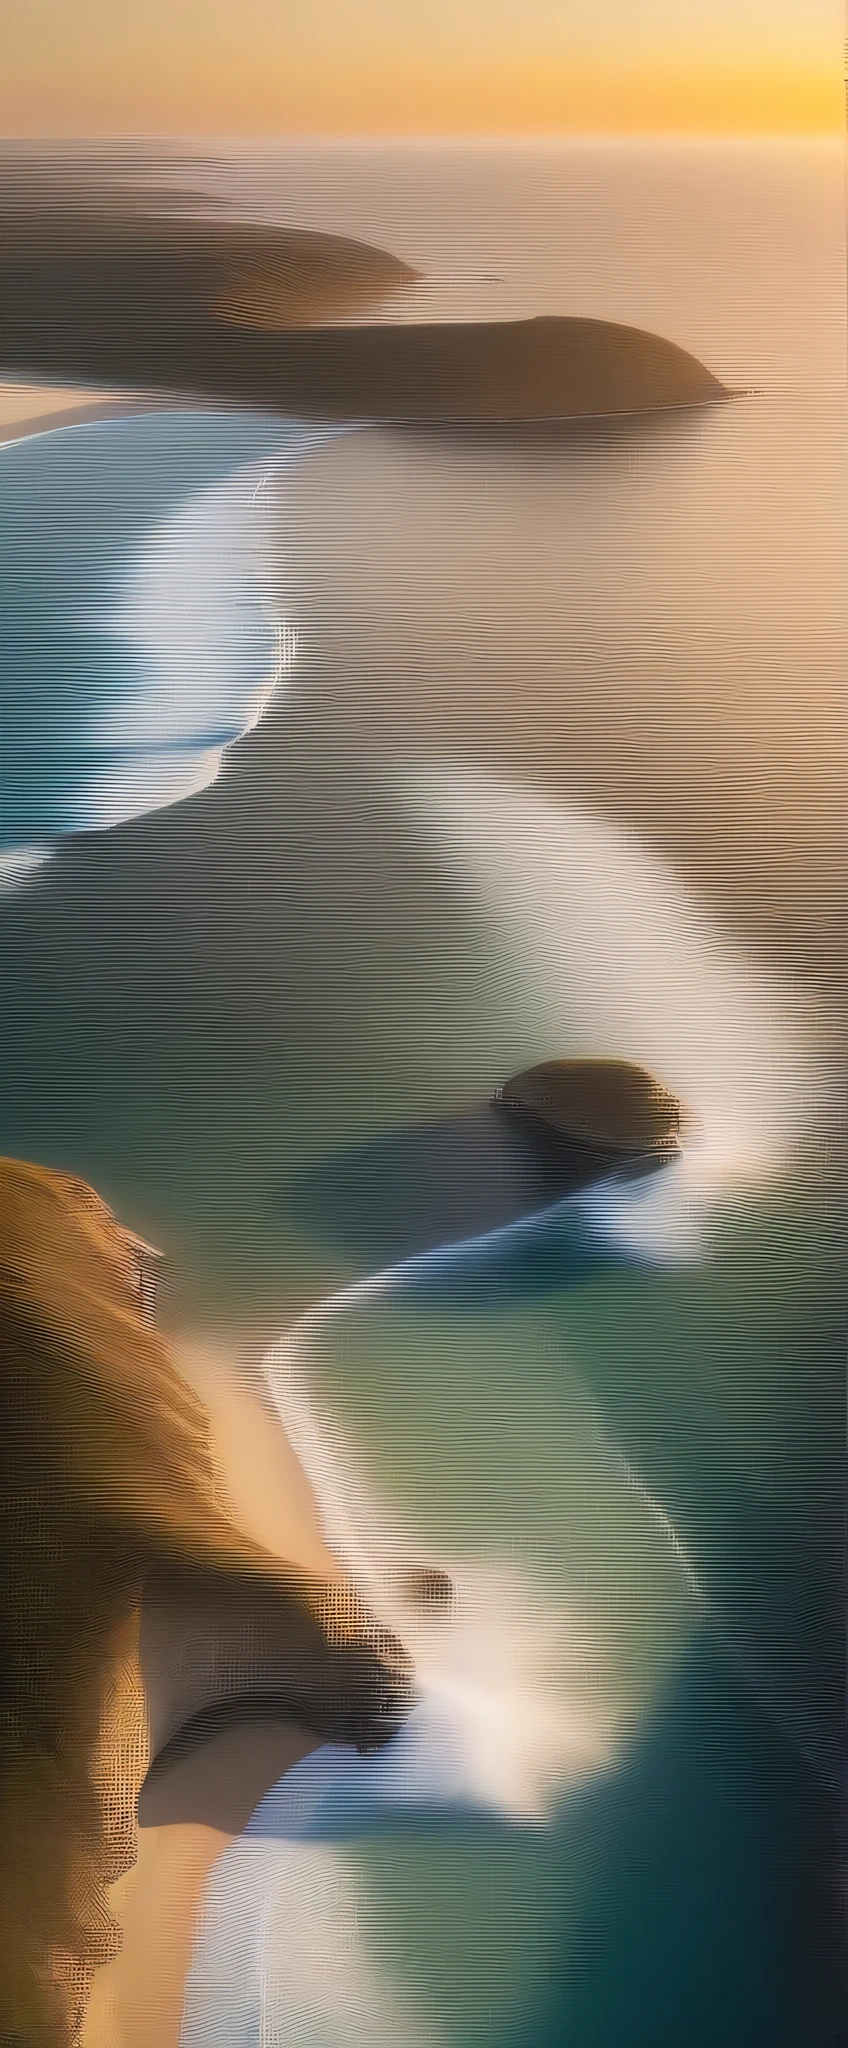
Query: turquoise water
{"type": "Point", "coordinates": [336, 937]}
{"type": "Point", "coordinates": [135, 643]}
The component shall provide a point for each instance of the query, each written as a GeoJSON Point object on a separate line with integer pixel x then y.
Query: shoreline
{"type": "Point", "coordinates": [102, 409]}
{"type": "Point", "coordinates": [159, 1902]}
{"type": "Point", "coordinates": [130, 407]}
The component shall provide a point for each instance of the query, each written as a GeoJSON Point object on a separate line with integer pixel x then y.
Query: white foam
{"type": "Point", "coordinates": [184, 659]}
{"type": "Point", "coordinates": [192, 608]}
{"type": "Point", "coordinates": [500, 1726]}
{"type": "Point", "coordinates": [615, 956]}
{"type": "Point", "coordinates": [207, 655]}
{"type": "Point", "coordinates": [280, 1960]}
{"type": "Point", "coordinates": [18, 863]}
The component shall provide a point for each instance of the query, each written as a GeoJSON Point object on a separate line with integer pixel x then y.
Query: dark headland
{"type": "Point", "coordinates": [124, 291]}
{"type": "Point", "coordinates": [173, 281]}
{"type": "Point", "coordinates": [77, 250]}
{"type": "Point", "coordinates": [544, 369]}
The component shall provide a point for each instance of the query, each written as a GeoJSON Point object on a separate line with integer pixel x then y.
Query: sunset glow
{"type": "Point", "coordinates": [362, 67]}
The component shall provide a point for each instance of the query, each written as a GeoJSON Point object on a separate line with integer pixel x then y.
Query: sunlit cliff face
{"type": "Point", "coordinates": [113, 1492]}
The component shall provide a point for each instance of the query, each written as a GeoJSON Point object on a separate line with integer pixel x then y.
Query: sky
{"type": "Point", "coordinates": [278, 68]}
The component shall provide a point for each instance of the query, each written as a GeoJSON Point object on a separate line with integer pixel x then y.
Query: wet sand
{"type": "Point", "coordinates": [78, 415]}
{"type": "Point", "coordinates": [138, 1999]}
{"type": "Point", "coordinates": [269, 1492]}
{"type": "Point", "coordinates": [203, 1801]}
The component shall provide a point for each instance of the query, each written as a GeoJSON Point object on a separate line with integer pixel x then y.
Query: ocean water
{"type": "Point", "coordinates": [558, 766]}
{"type": "Point", "coordinates": [136, 645]}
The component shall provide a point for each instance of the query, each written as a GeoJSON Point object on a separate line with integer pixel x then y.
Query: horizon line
{"type": "Point", "coordinates": [391, 138]}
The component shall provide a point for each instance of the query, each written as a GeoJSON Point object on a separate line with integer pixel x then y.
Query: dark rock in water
{"type": "Point", "coordinates": [429, 1589]}
{"type": "Point", "coordinates": [607, 1107]}
{"type": "Point", "coordinates": [549, 1133]}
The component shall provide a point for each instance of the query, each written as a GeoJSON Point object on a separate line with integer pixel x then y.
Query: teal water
{"type": "Point", "coordinates": [135, 645]}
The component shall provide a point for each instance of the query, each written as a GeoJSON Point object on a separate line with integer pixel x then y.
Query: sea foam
{"type": "Point", "coordinates": [138, 644]}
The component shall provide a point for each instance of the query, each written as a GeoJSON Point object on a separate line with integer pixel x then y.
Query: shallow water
{"type": "Point", "coordinates": [136, 641]}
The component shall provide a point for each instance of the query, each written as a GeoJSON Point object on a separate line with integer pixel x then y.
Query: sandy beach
{"type": "Point", "coordinates": [61, 408]}
{"type": "Point", "coordinates": [204, 1800]}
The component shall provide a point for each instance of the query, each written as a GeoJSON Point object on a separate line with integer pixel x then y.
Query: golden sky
{"type": "Point", "coordinates": [417, 67]}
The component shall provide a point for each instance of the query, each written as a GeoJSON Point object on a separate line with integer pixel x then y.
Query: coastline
{"type": "Point", "coordinates": [126, 407]}
{"type": "Point", "coordinates": [118, 409]}
{"type": "Point", "coordinates": [159, 1902]}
